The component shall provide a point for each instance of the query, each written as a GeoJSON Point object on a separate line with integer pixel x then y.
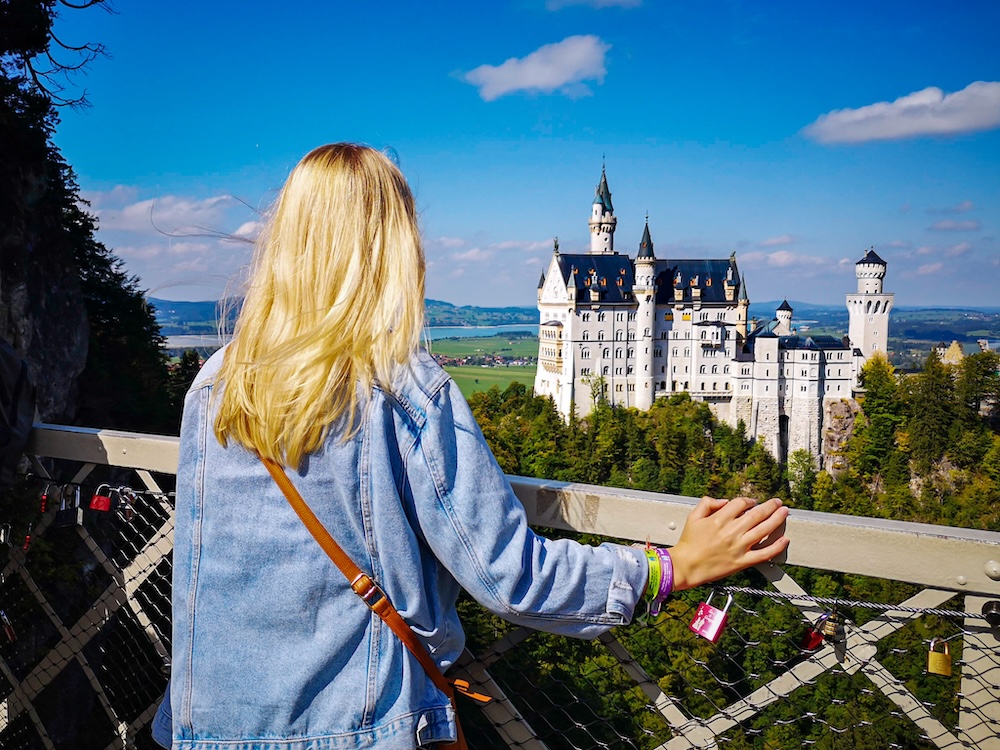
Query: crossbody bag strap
{"type": "Point", "coordinates": [361, 583]}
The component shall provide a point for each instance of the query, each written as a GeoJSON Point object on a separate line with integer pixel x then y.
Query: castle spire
{"type": "Point", "coordinates": [603, 195]}
{"type": "Point", "coordinates": [646, 243]}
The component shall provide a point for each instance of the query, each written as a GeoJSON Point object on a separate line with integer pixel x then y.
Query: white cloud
{"type": "Point", "coordinates": [898, 244]}
{"type": "Point", "coordinates": [169, 214]}
{"type": "Point", "coordinates": [520, 245]}
{"type": "Point", "coordinates": [784, 259]}
{"type": "Point", "coordinates": [961, 208]}
{"type": "Point", "coordinates": [248, 230]}
{"type": "Point", "coordinates": [562, 66]}
{"type": "Point", "coordinates": [449, 242]}
{"type": "Point", "coordinates": [474, 254]}
{"type": "Point", "coordinates": [957, 251]}
{"type": "Point", "coordinates": [929, 112]}
{"type": "Point", "coordinates": [950, 225]}
{"type": "Point", "coordinates": [929, 268]}
{"type": "Point", "coordinates": [926, 250]}
{"type": "Point", "coordinates": [782, 239]}
{"type": "Point", "coordinates": [560, 4]}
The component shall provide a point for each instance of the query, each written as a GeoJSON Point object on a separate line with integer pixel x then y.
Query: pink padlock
{"type": "Point", "coordinates": [708, 621]}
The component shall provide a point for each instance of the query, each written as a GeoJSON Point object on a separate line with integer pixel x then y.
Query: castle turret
{"type": "Point", "coordinates": [784, 316]}
{"type": "Point", "coordinates": [645, 294]}
{"type": "Point", "coordinates": [602, 220]}
{"type": "Point", "coordinates": [868, 310]}
{"type": "Point", "coordinates": [743, 310]}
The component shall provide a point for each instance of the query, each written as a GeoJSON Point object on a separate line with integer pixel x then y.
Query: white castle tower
{"type": "Point", "coordinates": [602, 220]}
{"type": "Point", "coordinates": [644, 290]}
{"type": "Point", "coordinates": [868, 310]}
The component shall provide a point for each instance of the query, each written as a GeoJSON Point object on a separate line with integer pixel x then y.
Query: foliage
{"type": "Point", "coordinates": [123, 382]}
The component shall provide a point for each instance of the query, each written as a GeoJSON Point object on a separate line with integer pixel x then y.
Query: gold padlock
{"type": "Point", "coordinates": [829, 625]}
{"type": "Point", "coordinates": [939, 662]}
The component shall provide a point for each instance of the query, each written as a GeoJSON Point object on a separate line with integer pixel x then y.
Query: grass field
{"type": "Point", "coordinates": [472, 379]}
{"type": "Point", "coordinates": [500, 345]}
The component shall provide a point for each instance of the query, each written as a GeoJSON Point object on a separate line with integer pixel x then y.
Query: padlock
{"type": "Point", "coordinates": [70, 512]}
{"type": "Point", "coordinates": [27, 540]}
{"type": "Point", "coordinates": [126, 503]}
{"type": "Point", "coordinates": [708, 621]}
{"type": "Point", "coordinates": [44, 505]}
{"type": "Point", "coordinates": [101, 501]}
{"type": "Point", "coordinates": [8, 627]}
{"type": "Point", "coordinates": [939, 662]}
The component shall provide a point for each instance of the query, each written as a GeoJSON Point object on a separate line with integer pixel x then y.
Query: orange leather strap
{"type": "Point", "coordinates": [366, 588]}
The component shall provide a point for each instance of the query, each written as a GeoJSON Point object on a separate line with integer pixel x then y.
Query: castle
{"type": "Point", "coordinates": [650, 327]}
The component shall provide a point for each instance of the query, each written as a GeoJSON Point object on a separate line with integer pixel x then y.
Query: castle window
{"type": "Point", "coordinates": [687, 352]}
{"type": "Point", "coordinates": [600, 317]}
{"type": "Point", "coordinates": [721, 316]}
{"type": "Point", "coordinates": [704, 335]}
{"type": "Point", "coordinates": [619, 282]}
{"type": "Point", "coordinates": [618, 371]}
{"type": "Point", "coordinates": [605, 370]}
{"type": "Point", "coordinates": [619, 317]}
{"type": "Point", "coordinates": [631, 335]}
{"type": "Point", "coordinates": [631, 386]}
{"type": "Point", "coordinates": [619, 335]}
{"type": "Point", "coordinates": [715, 369]}
{"type": "Point", "coordinates": [703, 386]}
{"type": "Point", "coordinates": [663, 334]}
{"type": "Point", "coordinates": [725, 370]}
{"type": "Point", "coordinates": [631, 353]}
{"type": "Point", "coordinates": [715, 386]}
{"type": "Point", "coordinates": [702, 370]}
{"type": "Point", "coordinates": [618, 353]}
{"type": "Point", "coordinates": [685, 385]}
{"type": "Point", "coordinates": [600, 335]}
{"type": "Point", "coordinates": [618, 388]}
{"type": "Point", "coordinates": [727, 385]}
{"type": "Point", "coordinates": [586, 335]}
{"type": "Point", "coordinates": [585, 354]}
{"type": "Point", "coordinates": [804, 373]}
{"type": "Point", "coordinates": [674, 334]}
{"type": "Point", "coordinates": [657, 352]}
{"type": "Point", "coordinates": [687, 334]}
{"type": "Point", "coordinates": [703, 316]}
{"type": "Point", "coordinates": [631, 316]}
{"type": "Point", "coordinates": [663, 385]}
{"type": "Point", "coordinates": [645, 332]}
{"type": "Point", "coordinates": [673, 352]}
{"type": "Point", "coordinates": [585, 371]}
{"type": "Point", "coordinates": [607, 353]}
{"type": "Point", "coordinates": [673, 385]}
{"type": "Point", "coordinates": [586, 317]}
{"type": "Point", "coordinates": [630, 370]}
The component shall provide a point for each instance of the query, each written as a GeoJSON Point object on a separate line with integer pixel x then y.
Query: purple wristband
{"type": "Point", "coordinates": [666, 581]}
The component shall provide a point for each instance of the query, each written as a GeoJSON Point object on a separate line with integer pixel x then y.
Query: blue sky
{"type": "Point", "coordinates": [795, 134]}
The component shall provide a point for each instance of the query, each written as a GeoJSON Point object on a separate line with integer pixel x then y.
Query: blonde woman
{"type": "Point", "coordinates": [325, 376]}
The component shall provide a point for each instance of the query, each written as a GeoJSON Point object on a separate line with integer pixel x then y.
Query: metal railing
{"type": "Point", "coordinates": [87, 651]}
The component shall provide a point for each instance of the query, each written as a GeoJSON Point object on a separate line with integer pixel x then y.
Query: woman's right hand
{"type": "Point", "coordinates": [722, 537]}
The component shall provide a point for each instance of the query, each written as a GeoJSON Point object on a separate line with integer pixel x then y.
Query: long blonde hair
{"type": "Point", "coordinates": [335, 304]}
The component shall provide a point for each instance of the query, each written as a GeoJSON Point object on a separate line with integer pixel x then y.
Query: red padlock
{"type": "Point", "coordinates": [45, 499]}
{"type": "Point", "coordinates": [708, 621]}
{"type": "Point", "coordinates": [27, 540]}
{"type": "Point", "coordinates": [8, 628]}
{"type": "Point", "coordinates": [824, 629]}
{"type": "Point", "coordinates": [101, 500]}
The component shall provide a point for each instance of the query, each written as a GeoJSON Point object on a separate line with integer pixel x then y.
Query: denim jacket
{"type": "Point", "coordinates": [271, 648]}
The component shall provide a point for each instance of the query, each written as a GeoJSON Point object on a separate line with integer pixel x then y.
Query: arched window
{"type": "Point", "coordinates": [604, 370]}
{"type": "Point", "coordinates": [600, 335]}
{"type": "Point", "coordinates": [715, 369]}
{"type": "Point", "coordinates": [585, 354]}
{"type": "Point", "coordinates": [631, 353]}
{"type": "Point", "coordinates": [618, 353]}
{"type": "Point", "coordinates": [619, 335]}
{"type": "Point", "coordinates": [586, 335]}
{"type": "Point", "coordinates": [607, 353]}
{"type": "Point", "coordinates": [702, 369]}
{"type": "Point", "coordinates": [704, 335]}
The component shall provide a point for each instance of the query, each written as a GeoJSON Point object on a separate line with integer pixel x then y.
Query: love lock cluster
{"type": "Point", "coordinates": [710, 621]}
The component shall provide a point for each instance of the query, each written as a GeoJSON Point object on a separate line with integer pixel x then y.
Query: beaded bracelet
{"type": "Point", "coordinates": [666, 581]}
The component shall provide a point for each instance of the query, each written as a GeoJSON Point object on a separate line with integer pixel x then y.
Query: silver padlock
{"type": "Point", "coordinates": [708, 621]}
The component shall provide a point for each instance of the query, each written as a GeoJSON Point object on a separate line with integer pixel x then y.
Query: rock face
{"type": "Point", "coordinates": [839, 417]}
{"type": "Point", "coordinates": [42, 312]}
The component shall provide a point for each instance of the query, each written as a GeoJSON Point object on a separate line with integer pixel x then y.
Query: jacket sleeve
{"type": "Point", "coordinates": [477, 529]}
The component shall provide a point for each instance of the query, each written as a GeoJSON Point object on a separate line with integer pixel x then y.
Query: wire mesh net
{"type": "Point", "coordinates": [84, 659]}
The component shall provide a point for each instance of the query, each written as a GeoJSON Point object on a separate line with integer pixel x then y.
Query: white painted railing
{"type": "Point", "coordinates": [942, 562]}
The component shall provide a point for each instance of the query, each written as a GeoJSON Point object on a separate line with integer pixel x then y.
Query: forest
{"type": "Point", "coordinates": [925, 448]}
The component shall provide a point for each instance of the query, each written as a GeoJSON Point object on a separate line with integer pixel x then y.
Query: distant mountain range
{"type": "Point", "coordinates": [201, 318]}
{"type": "Point", "coordinates": [921, 324]}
